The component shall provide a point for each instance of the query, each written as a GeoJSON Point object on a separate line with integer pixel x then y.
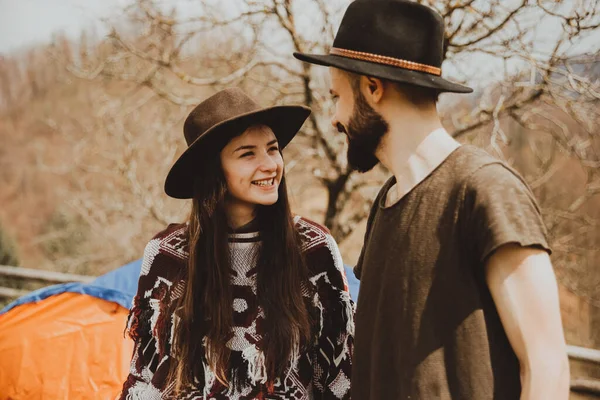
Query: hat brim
{"type": "Point", "coordinates": [285, 121]}
{"type": "Point", "coordinates": [383, 71]}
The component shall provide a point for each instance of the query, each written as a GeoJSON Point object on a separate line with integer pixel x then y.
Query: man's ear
{"type": "Point", "coordinates": [373, 88]}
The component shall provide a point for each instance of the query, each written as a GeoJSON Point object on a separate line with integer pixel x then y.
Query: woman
{"type": "Point", "coordinates": [243, 301]}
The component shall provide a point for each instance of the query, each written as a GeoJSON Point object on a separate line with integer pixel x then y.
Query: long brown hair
{"type": "Point", "coordinates": [205, 310]}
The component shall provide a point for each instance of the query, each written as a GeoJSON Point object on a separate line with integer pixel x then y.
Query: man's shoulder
{"type": "Point", "coordinates": [472, 166]}
{"type": "Point", "coordinates": [469, 159]}
{"type": "Point", "coordinates": [481, 172]}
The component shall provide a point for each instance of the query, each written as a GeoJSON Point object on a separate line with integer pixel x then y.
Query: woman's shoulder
{"type": "Point", "coordinates": [318, 245]}
{"type": "Point", "coordinates": [303, 221]}
{"type": "Point", "coordinates": [313, 234]}
{"type": "Point", "coordinates": [166, 253]}
{"type": "Point", "coordinates": [172, 230]}
{"type": "Point", "coordinates": [171, 241]}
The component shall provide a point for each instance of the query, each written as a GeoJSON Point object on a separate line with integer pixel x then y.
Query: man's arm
{"type": "Point", "coordinates": [524, 289]}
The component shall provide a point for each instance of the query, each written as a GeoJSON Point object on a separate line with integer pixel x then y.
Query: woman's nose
{"type": "Point", "coordinates": [267, 163]}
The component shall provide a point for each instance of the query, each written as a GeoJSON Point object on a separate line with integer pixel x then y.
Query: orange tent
{"type": "Point", "coordinates": [66, 341]}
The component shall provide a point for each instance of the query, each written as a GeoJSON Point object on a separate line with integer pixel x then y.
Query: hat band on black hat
{"type": "Point", "coordinates": [379, 59]}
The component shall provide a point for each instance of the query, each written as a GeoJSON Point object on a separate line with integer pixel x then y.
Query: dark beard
{"type": "Point", "coordinates": [365, 130]}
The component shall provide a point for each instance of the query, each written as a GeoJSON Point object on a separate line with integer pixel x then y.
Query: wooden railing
{"type": "Point", "coordinates": [36, 275]}
{"type": "Point", "coordinates": [575, 353]}
{"type": "Point", "coordinates": [584, 354]}
{"type": "Point", "coordinates": [582, 384]}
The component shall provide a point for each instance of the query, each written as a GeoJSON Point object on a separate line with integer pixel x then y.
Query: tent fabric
{"type": "Point", "coordinates": [353, 283]}
{"type": "Point", "coordinates": [67, 341]}
{"type": "Point", "coordinates": [124, 280]}
{"type": "Point", "coordinates": [118, 286]}
{"type": "Point", "coordinates": [67, 346]}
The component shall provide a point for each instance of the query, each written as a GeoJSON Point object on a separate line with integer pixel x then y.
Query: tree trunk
{"type": "Point", "coordinates": [335, 188]}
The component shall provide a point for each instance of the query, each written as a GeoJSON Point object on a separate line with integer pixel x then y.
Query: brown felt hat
{"type": "Point", "coordinates": [214, 121]}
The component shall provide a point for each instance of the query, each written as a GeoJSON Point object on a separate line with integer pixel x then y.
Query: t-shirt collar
{"type": "Point", "coordinates": [425, 158]}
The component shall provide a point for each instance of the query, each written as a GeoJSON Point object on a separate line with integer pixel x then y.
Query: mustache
{"type": "Point", "coordinates": [341, 128]}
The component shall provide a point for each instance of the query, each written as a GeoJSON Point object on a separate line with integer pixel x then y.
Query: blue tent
{"type": "Point", "coordinates": [353, 283]}
{"type": "Point", "coordinates": [118, 286]}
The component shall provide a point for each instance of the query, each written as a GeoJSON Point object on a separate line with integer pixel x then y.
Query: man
{"type": "Point", "coordinates": [458, 298]}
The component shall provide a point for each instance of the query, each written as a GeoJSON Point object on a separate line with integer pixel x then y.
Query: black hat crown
{"type": "Point", "coordinates": [399, 40]}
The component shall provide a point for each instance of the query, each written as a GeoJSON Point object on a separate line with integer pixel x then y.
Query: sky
{"type": "Point", "coordinates": [24, 23]}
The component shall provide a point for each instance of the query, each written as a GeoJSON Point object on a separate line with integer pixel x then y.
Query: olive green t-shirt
{"type": "Point", "coordinates": [426, 324]}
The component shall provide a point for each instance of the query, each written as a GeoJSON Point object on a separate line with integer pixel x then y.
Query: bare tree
{"type": "Point", "coordinates": [533, 63]}
{"type": "Point", "coordinates": [261, 34]}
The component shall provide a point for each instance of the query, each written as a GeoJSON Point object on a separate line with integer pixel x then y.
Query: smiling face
{"type": "Point", "coordinates": [364, 127]}
{"type": "Point", "coordinates": [253, 169]}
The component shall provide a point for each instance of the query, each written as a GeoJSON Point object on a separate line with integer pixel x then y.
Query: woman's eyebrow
{"type": "Point", "coordinates": [250, 146]}
{"type": "Point", "coordinates": [246, 147]}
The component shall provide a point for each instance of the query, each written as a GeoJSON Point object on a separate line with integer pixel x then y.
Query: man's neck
{"type": "Point", "coordinates": [414, 146]}
{"type": "Point", "coordinates": [406, 131]}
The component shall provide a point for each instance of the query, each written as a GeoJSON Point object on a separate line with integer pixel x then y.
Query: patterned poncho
{"type": "Point", "coordinates": [321, 373]}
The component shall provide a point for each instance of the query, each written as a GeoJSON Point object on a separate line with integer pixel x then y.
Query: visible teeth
{"type": "Point", "coordinates": [266, 182]}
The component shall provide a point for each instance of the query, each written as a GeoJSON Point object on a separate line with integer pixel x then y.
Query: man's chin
{"type": "Point", "coordinates": [362, 169]}
{"type": "Point", "coordinates": [362, 165]}
{"type": "Point", "coordinates": [361, 155]}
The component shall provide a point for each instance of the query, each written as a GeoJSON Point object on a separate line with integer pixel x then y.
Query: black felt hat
{"type": "Point", "coordinates": [398, 40]}
{"type": "Point", "coordinates": [214, 121]}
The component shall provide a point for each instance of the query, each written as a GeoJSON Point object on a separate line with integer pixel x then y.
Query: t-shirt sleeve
{"type": "Point", "coordinates": [503, 210]}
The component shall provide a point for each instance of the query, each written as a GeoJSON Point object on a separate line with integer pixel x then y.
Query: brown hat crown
{"type": "Point", "coordinates": [221, 107]}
